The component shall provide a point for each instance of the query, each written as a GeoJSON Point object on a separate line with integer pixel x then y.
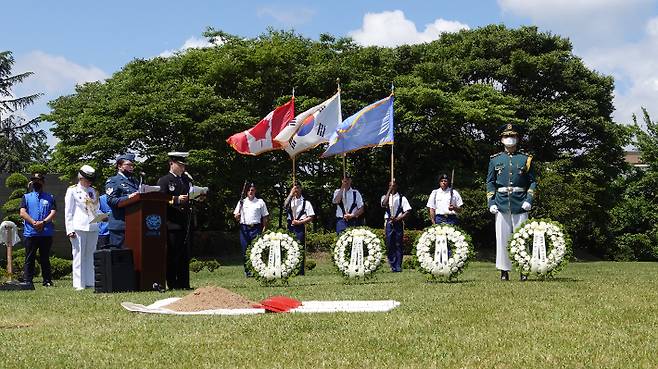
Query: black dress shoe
{"type": "Point", "coordinates": [48, 284]}
{"type": "Point", "coordinates": [524, 277]}
{"type": "Point", "coordinates": [504, 275]}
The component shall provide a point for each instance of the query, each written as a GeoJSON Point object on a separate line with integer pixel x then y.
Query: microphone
{"type": "Point", "coordinates": [141, 180]}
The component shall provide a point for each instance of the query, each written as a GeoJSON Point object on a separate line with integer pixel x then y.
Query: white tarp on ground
{"type": "Point", "coordinates": [307, 307]}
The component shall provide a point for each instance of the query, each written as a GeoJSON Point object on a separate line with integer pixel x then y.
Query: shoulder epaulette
{"type": "Point", "coordinates": [71, 186]}
{"type": "Point", "coordinates": [496, 154]}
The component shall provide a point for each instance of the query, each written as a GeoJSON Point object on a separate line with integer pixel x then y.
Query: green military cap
{"type": "Point", "coordinates": [510, 129]}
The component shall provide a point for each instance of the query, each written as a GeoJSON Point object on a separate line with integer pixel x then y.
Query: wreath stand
{"type": "Point", "coordinates": [7, 234]}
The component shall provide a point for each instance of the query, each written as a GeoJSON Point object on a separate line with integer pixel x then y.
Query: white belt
{"type": "Point", "coordinates": [510, 189]}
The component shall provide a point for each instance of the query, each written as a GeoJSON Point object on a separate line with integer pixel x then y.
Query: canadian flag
{"type": "Point", "coordinates": [258, 139]}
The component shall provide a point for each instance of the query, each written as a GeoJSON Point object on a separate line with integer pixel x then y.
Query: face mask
{"type": "Point", "coordinates": [509, 141]}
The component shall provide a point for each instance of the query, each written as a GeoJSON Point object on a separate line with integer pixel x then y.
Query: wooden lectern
{"type": "Point", "coordinates": [146, 236]}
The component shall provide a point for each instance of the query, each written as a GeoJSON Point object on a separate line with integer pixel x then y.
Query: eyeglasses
{"type": "Point", "coordinates": [128, 164]}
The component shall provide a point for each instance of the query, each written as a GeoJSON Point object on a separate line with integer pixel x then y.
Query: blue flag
{"type": "Point", "coordinates": [372, 126]}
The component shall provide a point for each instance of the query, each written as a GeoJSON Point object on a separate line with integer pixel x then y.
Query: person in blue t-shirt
{"type": "Point", "coordinates": [38, 210]}
{"type": "Point", "coordinates": [103, 230]}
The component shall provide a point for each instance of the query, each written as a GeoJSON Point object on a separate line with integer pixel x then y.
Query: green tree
{"type": "Point", "coordinates": [451, 96]}
{"type": "Point", "coordinates": [634, 219]}
{"type": "Point", "coordinates": [21, 142]}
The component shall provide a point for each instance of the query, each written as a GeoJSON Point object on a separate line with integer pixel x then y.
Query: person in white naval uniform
{"type": "Point", "coordinates": [252, 214]}
{"type": "Point", "coordinates": [80, 208]}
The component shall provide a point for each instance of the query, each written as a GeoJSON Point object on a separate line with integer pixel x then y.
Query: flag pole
{"type": "Point", "coordinates": [344, 164]}
{"type": "Point", "coordinates": [392, 168]}
{"type": "Point", "coordinates": [293, 170]}
{"type": "Point", "coordinates": [392, 144]}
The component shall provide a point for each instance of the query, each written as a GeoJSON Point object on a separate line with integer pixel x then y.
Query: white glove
{"type": "Point", "coordinates": [493, 209]}
{"type": "Point", "coordinates": [526, 206]}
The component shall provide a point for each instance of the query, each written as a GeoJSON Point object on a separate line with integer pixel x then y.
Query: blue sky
{"type": "Point", "coordinates": [69, 42]}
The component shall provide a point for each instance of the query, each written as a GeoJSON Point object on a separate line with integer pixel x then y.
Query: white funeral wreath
{"type": "Point", "coordinates": [365, 252]}
{"type": "Point", "coordinates": [283, 258]}
{"type": "Point", "coordinates": [538, 246]}
{"type": "Point", "coordinates": [432, 251]}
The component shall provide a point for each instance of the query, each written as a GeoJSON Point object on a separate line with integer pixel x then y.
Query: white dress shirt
{"type": "Point", "coordinates": [80, 208]}
{"type": "Point", "coordinates": [296, 205]}
{"type": "Point", "coordinates": [394, 202]}
{"type": "Point", "coordinates": [440, 201]}
{"type": "Point", "coordinates": [252, 211]}
{"type": "Point", "coordinates": [348, 197]}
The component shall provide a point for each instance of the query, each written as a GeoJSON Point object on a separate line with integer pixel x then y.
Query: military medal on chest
{"type": "Point", "coordinates": [172, 186]}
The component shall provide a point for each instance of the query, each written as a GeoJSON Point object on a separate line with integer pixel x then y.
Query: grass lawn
{"type": "Point", "coordinates": [594, 315]}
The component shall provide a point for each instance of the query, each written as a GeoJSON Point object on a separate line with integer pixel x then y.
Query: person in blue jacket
{"type": "Point", "coordinates": [38, 210]}
{"type": "Point", "coordinates": [119, 189]}
{"type": "Point", "coordinates": [103, 230]}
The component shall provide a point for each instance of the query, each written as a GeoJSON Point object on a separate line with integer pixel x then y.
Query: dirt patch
{"type": "Point", "coordinates": [210, 298]}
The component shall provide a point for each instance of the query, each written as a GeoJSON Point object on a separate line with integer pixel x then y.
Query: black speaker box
{"type": "Point", "coordinates": [114, 270]}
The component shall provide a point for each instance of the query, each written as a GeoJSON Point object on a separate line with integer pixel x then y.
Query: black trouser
{"type": "Point", "coordinates": [178, 260]}
{"type": "Point", "coordinates": [300, 233]}
{"type": "Point", "coordinates": [103, 242]}
{"type": "Point", "coordinates": [32, 244]}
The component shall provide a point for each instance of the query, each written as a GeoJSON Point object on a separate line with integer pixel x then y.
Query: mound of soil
{"type": "Point", "coordinates": [210, 298]}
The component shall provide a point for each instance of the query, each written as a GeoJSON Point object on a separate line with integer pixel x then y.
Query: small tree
{"type": "Point", "coordinates": [18, 184]}
{"type": "Point", "coordinates": [21, 142]}
{"type": "Point", "coordinates": [634, 219]}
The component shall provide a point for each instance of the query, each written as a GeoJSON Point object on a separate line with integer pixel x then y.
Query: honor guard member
{"type": "Point", "coordinates": [300, 212]}
{"type": "Point", "coordinates": [510, 188]}
{"type": "Point", "coordinates": [119, 189]}
{"type": "Point", "coordinates": [252, 214]}
{"type": "Point", "coordinates": [38, 210]}
{"type": "Point", "coordinates": [349, 205]}
{"type": "Point", "coordinates": [81, 205]}
{"type": "Point", "coordinates": [397, 209]}
{"type": "Point", "coordinates": [176, 184]}
{"type": "Point", "coordinates": [444, 203]}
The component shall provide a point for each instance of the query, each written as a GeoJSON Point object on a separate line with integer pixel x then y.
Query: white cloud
{"type": "Point", "coordinates": [392, 28]}
{"type": "Point", "coordinates": [287, 16]}
{"type": "Point", "coordinates": [652, 27]}
{"type": "Point", "coordinates": [53, 74]}
{"type": "Point", "coordinates": [613, 37]}
{"type": "Point", "coordinates": [190, 43]}
{"type": "Point", "coordinates": [586, 21]}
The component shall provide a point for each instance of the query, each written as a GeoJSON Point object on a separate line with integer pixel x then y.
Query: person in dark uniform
{"type": "Point", "coordinates": [396, 208]}
{"type": "Point", "coordinates": [177, 185]}
{"type": "Point", "coordinates": [300, 212]}
{"type": "Point", "coordinates": [511, 183]}
{"type": "Point", "coordinates": [119, 189]}
{"type": "Point", "coordinates": [38, 210]}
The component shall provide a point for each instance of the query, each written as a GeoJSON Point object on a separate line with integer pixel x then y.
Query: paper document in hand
{"type": "Point", "coordinates": [146, 188]}
{"type": "Point", "coordinates": [101, 217]}
{"type": "Point", "coordinates": [196, 191]}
